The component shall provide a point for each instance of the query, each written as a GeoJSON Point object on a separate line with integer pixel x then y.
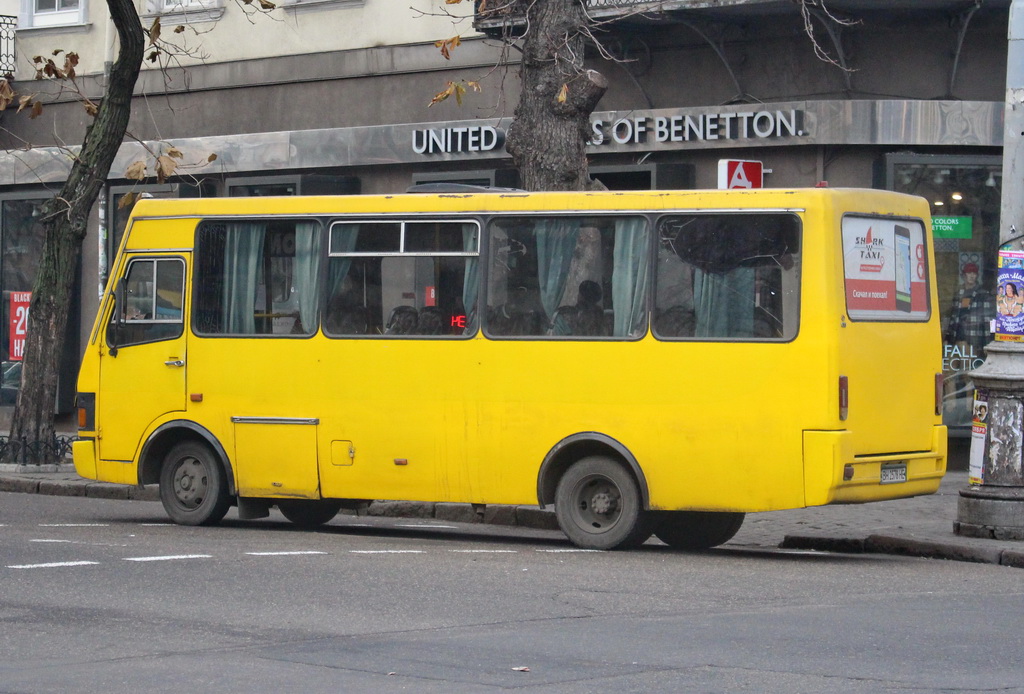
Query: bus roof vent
{"type": "Point", "coordinates": [458, 188]}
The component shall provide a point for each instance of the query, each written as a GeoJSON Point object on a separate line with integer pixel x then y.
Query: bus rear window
{"type": "Point", "coordinates": [728, 276]}
{"type": "Point", "coordinates": [885, 269]}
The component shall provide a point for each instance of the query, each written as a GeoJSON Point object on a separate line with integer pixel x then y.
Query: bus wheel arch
{"type": "Point", "coordinates": [169, 434]}
{"type": "Point", "coordinates": [582, 445]}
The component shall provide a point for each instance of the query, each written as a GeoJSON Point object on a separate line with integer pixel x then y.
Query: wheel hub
{"type": "Point", "coordinates": [190, 483]}
{"type": "Point", "coordinates": [603, 503]}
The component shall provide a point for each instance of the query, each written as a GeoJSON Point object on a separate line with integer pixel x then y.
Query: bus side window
{"type": "Point", "coordinates": [150, 306]}
{"type": "Point", "coordinates": [398, 278]}
{"type": "Point", "coordinates": [728, 276]}
{"type": "Point", "coordinates": [257, 278]}
{"type": "Point", "coordinates": [565, 277]}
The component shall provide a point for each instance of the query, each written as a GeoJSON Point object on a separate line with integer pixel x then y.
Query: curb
{"type": "Point", "coordinates": [519, 516]}
{"type": "Point", "coordinates": [907, 547]}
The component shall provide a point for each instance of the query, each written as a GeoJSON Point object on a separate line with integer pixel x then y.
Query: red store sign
{"type": "Point", "coordinates": [19, 324]}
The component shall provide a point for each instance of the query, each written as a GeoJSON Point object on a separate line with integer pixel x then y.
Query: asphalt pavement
{"type": "Point", "coordinates": [921, 526]}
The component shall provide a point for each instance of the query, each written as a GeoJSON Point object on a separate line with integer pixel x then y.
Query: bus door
{"type": "Point", "coordinates": [142, 372]}
{"type": "Point", "coordinates": [889, 350]}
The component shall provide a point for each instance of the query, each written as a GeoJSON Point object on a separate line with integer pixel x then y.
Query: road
{"type": "Point", "coordinates": [108, 596]}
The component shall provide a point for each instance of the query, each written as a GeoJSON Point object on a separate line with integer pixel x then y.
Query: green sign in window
{"type": "Point", "coordinates": [953, 227]}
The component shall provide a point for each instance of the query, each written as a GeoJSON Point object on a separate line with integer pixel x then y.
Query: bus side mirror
{"type": "Point", "coordinates": [114, 334]}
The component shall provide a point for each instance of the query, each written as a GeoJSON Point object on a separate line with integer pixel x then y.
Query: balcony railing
{"type": "Point", "coordinates": [7, 25]}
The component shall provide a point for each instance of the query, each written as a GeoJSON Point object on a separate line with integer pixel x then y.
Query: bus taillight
{"type": "Point", "coordinates": [844, 398]}
{"type": "Point", "coordinates": [86, 404]}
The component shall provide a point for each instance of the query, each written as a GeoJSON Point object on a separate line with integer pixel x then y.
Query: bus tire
{"type": "Point", "coordinates": [696, 530]}
{"type": "Point", "coordinates": [598, 506]}
{"type": "Point", "coordinates": [309, 513]}
{"type": "Point", "coordinates": [193, 486]}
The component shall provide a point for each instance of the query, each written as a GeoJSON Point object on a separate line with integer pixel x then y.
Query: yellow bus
{"type": "Point", "coordinates": [652, 362]}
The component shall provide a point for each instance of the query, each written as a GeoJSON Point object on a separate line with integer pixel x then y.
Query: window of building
{"type": "Point", "coordinates": [402, 278]}
{"type": "Point", "coordinates": [21, 244]}
{"type": "Point", "coordinates": [52, 13]}
{"type": "Point", "coordinates": [728, 277]}
{"type": "Point", "coordinates": [964, 193]}
{"type": "Point", "coordinates": [257, 278]}
{"type": "Point", "coordinates": [567, 277]}
{"type": "Point", "coordinates": [185, 11]}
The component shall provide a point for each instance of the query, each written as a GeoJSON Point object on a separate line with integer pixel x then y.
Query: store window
{"type": "Point", "coordinates": [964, 193]}
{"type": "Point", "coordinates": [21, 243]}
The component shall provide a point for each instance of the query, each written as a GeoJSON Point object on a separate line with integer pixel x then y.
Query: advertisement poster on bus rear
{"type": "Point", "coordinates": [885, 267]}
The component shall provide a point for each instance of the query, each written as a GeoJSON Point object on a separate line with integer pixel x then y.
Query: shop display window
{"type": "Point", "coordinates": [964, 193]}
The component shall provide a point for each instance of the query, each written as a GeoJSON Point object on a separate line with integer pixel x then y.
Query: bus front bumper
{"type": "Point", "coordinates": [833, 474]}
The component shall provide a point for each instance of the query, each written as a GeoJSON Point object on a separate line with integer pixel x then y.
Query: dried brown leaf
{"type": "Point", "coordinates": [212, 157]}
{"type": "Point", "coordinates": [136, 171]}
{"type": "Point", "coordinates": [165, 167]}
{"type": "Point", "coordinates": [563, 94]}
{"type": "Point", "coordinates": [90, 108]}
{"type": "Point", "coordinates": [127, 200]}
{"type": "Point", "coordinates": [174, 152]}
{"type": "Point", "coordinates": [179, 29]}
{"type": "Point", "coordinates": [37, 110]}
{"type": "Point", "coordinates": [6, 94]}
{"type": "Point", "coordinates": [154, 32]}
{"type": "Point", "coordinates": [442, 95]}
{"type": "Point", "coordinates": [446, 46]}
{"type": "Point", "coordinates": [267, 5]}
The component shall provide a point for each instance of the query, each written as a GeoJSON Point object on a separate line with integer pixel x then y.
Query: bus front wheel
{"type": "Point", "coordinates": [695, 530]}
{"type": "Point", "coordinates": [307, 513]}
{"type": "Point", "coordinates": [598, 505]}
{"type": "Point", "coordinates": [193, 486]}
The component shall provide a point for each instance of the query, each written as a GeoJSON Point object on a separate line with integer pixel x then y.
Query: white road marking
{"type": "Point", "coordinates": [170, 557]}
{"type": "Point", "coordinates": [386, 551]}
{"type": "Point", "coordinates": [52, 565]}
{"type": "Point", "coordinates": [74, 525]}
{"type": "Point", "coordinates": [484, 551]}
{"type": "Point", "coordinates": [566, 551]}
{"type": "Point", "coordinates": [282, 554]}
{"type": "Point", "coordinates": [79, 542]}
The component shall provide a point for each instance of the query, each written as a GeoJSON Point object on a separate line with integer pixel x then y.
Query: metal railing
{"type": "Point", "coordinates": [7, 25]}
{"type": "Point", "coordinates": [24, 452]}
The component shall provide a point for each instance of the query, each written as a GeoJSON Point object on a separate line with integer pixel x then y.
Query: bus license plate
{"type": "Point", "coordinates": [894, 473]}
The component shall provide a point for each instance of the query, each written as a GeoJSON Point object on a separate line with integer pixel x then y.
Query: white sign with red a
{"type": "Point", "coordinates": [740, 173]}
{"type": "Point", "coordinates": [19, 324]}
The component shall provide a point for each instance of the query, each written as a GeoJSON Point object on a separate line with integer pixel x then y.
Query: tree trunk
{"type": "Point", "coordinates": [65, 219]}
{"type": "Point", "coordinates": [548, 135]}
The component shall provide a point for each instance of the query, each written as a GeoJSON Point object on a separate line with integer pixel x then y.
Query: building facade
{"type": "Point", "coordinates": [331, 97]}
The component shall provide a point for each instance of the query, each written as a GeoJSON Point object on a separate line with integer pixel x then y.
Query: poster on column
{"type": "Point", "coordinates": [18, 327]}
{"type": "Point", "coordinates": [886, 270]}
{"type": "Point", "coordinates": [1009, 299]}
{"type": "Point", "coordinates": [979, 427]}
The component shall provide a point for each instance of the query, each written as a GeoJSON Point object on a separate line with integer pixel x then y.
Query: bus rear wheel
{"type": "Point", "coordinates": [307, 513]}
{"type": "Point", "coordinates": [193, 486]}
{"type": "Point", "coordinates": [695, 530]}
{"type": "Point", "coordinates": [598, 505]}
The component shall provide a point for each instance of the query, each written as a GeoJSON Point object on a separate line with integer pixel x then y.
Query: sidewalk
{"type": "Point", "coordinates": [921, 527]}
